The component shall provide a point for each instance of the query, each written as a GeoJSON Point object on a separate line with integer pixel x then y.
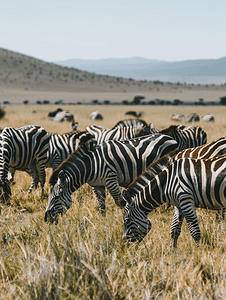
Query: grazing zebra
{"type": "Point", "coordinates": [61, 146]}
{"type": "Point", "coordinates": [96, 115]}
{"type": "Point", "coordinates": [177, 117]}
{"type": "Point", "coordinates": [208, 118]}
{"type": "Point", "coordinates": [192, 136]}
{"type": "Point", "coordinates": [191, 118]}
{"type": "Point", "coordinates": [187, 183]}
{"type": "Point", "coordinates": [210, 150]}
{"type": "Point", "coordinates": [119, 133]}
{"type": "Point", "coordinates": [131, 123]}
{"type": "Point", "coordinates": [62, 116]}
{"type": "Point", "coordinates": [111, 164]}
{"type": "Point", "coordinates": [21, 147]}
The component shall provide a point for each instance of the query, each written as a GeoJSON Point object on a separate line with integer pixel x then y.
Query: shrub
{"type": "Point", "coordinates": [223, 100]}
{"type": "Point", "coordinates": [2, 112]}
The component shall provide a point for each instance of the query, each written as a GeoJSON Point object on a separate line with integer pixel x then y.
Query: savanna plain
{"type": "Point", "coordinates": [84, 256]}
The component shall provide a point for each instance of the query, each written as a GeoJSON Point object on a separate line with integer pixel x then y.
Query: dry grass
{"type": "Point", "coordinates": [84, 256]}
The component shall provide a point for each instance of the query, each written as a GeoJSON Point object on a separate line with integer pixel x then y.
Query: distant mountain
{"type": "Point", "coordinates": [141, 68]}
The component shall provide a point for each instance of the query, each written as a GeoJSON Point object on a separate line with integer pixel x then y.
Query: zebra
{"type": "Point", "coordinates": [61, 116]}
{"type": "Point", "coordinates": [208, 118]}
{"type": "Point", "coordinates": [61, 146]}
{"type": "Point", "coordinates": [21, 147]}
{"type": "Point", "coordinates": [111, 164]}
{"type": "Point", "coordinates": [190, 137]}
{"type": "Point", "coordinates": [177, 117]}
{"type": "Point", "coordinates": [130, 123]}
{"type": "Point", "coordinates": [186, 183]}
{"type": "Point", "coordinates": [119, 133]}
{"type": "Point", "coordinates": [96, 115]}
{"type": "Point", "coordinates": [210, 150]}
{"type": "Point", "coordinates": [194, 117]}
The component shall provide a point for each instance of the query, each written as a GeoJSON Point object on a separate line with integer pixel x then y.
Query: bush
{"type": "Point", "coordinates": [2, 113]}
{"type": "Point", "coordinates": [223, 100]}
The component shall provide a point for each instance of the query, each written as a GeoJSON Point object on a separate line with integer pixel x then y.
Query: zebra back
{"type": "Point", "coordinates": [61, 146]}
{"type": "Point", "coordinates": [118, 134]}
{"type": "Point", "coordinates": [20, 147]}
{"type": "Point", "coordinates": [131, 123]}
{"type": "Point", "coordinates": [210, 150]}
{"type": "Point", "coordinates": [190, 137]}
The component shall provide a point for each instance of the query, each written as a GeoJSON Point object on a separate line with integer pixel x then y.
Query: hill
{"type": "Point", "coordinates": [189, 71]}
{"type": "Point", "coordinates": [26, 78]}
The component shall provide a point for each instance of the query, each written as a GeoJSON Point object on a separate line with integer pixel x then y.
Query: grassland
{"type": "Point", "coordinates": [84, 256]}
{"type": "Point", "coordinates": [27, 78]}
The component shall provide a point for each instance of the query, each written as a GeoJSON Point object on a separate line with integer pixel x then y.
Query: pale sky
{"type": "Point", "coordinates": [169, 30]}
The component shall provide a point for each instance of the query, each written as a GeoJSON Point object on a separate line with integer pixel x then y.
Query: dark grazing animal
{"type": "Point", "coordinates": [52, 114]}
{"type": "Point", "coordinates": [133, 113]}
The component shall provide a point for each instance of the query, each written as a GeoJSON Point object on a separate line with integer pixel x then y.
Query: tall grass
{"type": "Point", "coordinates": [84, 256]}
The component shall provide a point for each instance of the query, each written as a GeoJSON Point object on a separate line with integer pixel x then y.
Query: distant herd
{"type": "Point", "coordinates": [59, 116]}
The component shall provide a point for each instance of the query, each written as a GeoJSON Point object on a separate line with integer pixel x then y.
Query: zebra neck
{"type": "Point", "coordinates": [153, 194]}
{"type": "Point", "coordinates": [79, 172]}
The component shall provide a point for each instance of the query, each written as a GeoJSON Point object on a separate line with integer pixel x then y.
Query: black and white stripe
{"type": "Point", "coordinates": [111, 164]}
{"type": "Point", "coordinates": [192, 136]}
{"type": "Point", "coordinates": [21, 147]}
{"type": "Point", "coordinates": [210, 150]}
{"type": "Point", "coordinates": [186, 183]}
{"type": "Point", "coordinates": [61, 146]}
{"type": "Point", "coordinates": [130, 123]}
{"type": "Point", "coordinates": [102, 134]}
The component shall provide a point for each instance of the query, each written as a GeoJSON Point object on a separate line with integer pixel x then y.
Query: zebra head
{"type": "Point", "coordinates": [59, 199]}
{"type": "Point", "coordinates": [136, 223]}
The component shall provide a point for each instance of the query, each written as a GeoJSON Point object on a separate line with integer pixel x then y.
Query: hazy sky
{"type": "Point", "coordinates": [170, 30]}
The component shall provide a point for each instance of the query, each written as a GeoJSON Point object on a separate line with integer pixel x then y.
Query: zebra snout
{"type": "Point", "coordinates": [49, 218]}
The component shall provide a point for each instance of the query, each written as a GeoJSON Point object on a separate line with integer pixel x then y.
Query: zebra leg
{"type": "Point", "coordinates": [192, 221]}
{"type": "Point", "coordinates": [42, 174]}
{"type": "Point", "coordinates": [5, 192]}
{"type": "Point", "coordinates": [33, 172]}
{"type": "Point", "coordinates": [115, 190]}
{"type": "Point", "coordinates": [175, 228]}
{"type": "Point", "coordinates": [100, 194]}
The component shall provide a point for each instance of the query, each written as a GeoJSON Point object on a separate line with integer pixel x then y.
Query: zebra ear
{"type": "Point", "coordinates": [181, 127]}
{"type": "Point", "coordinates": [126, 197]}
{"type": "Point", "coordinates": [62, 178]}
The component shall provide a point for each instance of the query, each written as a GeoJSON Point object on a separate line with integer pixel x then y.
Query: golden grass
{"type": "Point", "coordinates": [84, 256]}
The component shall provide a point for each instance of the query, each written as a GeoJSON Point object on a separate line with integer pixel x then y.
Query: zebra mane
{"type": "Point", "coordinates": [147, 130]}
{"type": "Point", "coordinates": [171, 129]}
{"type": "Point", "coordinates": [151, 172]}
{"type": "Point", "coordinates": [83, 148]}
